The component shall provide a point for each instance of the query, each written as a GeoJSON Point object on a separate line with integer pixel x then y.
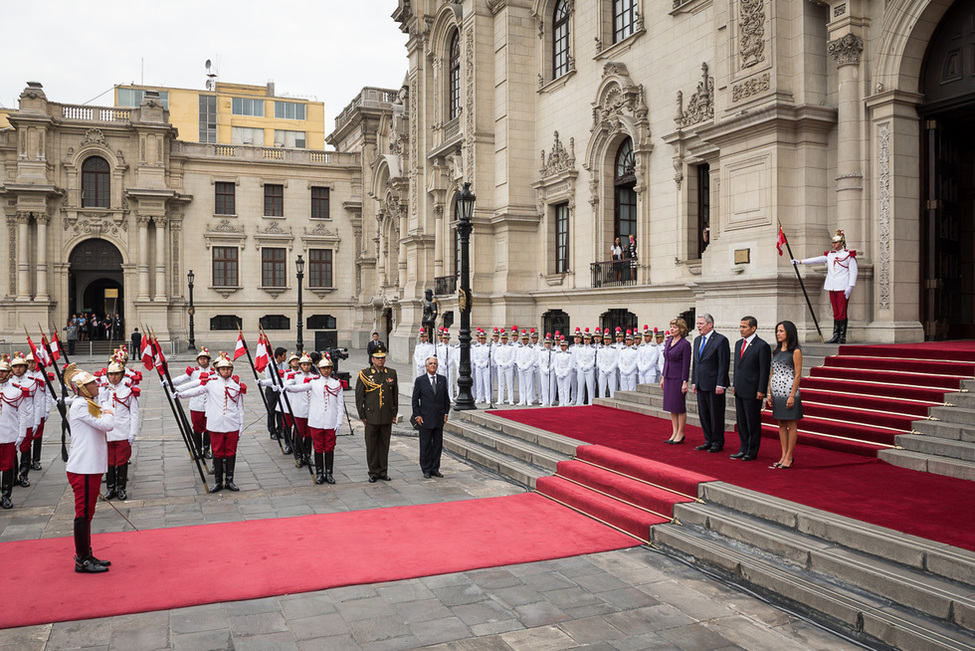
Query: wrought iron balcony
{"type": "Point", "coordinates": [613, 273]}
{"type": "Point", "coordinates": [445, 285]}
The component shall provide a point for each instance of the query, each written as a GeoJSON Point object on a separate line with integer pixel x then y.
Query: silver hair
{"type": "Point", "coordinates": [427, 360]}
{"type": "Point", "coordinates": [707, 318]}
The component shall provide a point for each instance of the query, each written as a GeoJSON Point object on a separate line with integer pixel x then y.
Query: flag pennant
{"type": "Point", "coordinates": [44, 357]}
{"type": "Point", "coordinates": [55, 346]}
{"type": "Point", "coordinates": [38, 358]}
{"type": "Point", "coordinates": [781, 241]}
{"type": "Point", "coordinates": [240, 349]}
{"type": "Point", "coordinates": [146, 352]}
{"type": "Point", "coordinates": [261, 357]}
{"type": "Point", "coordinates": [159, 358]}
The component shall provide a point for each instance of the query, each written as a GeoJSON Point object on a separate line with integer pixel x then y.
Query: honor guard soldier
{"type": "Point", "coordinates": [225, 417]}
{"type": "Point", "coordinates": [493, 350]}
{"type": "Point", "coordinates": [536, 394]}
{"type": "Point", "coordinates": [15, 418]}
{"type": "Point", "coordinates": [118, 395]}
{"type": "Point", "coordinates": [481, 367]}
{"type": "Point", "coordinates": [608, 365]}
{"type": "Point", "coordinates": [423, 350]}
{"type": "Point", "coordinates": [648, 358]}
{"type": "Point", "coordinates": [505, 356]}
{"type": "Point", "coordinates": [43, 400]}
{"type": "Point", "coordinates": [325, 406]}
{"type": "Point", "coordinates": [574, 379]}
{"type": "Point", "coordinates": [87, 462]}
{"type": "Point", "coordinates": [198, 419]}
{"type": "Point", "coordinates": [525, 361]}
{"type": "Point", "coordinates": [377, 403]}
{"type": "Point", "coordinates": [22, 379]}
{"type": "Point", "coordinates": [585, 363]}
{"type": "Point", "coordinates": [546, 376]}
{"type": "Point", "coordinates": [564, 371]}
{"type": "Point", "coordinates": [628, 364]}
{"type": "Point", "coordinates": [841, 278]}
{"type": "Point", "coordinates": [300, 406]}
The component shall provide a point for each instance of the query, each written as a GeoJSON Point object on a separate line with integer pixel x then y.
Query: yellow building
{"type": "Point", "coordinates": [236, 114]}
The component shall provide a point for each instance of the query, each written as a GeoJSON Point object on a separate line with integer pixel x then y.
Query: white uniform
{"type": "Point", "coordinates": [453, 369]}
{"type": "Point", "coordinates": [585, 364]}
{"type": "Point", "coordinates": [608, 363]}
{"type": "Point", "coordinates": [89, 441]}
{"type": "Point", "coordinates": [123, 399]}
{"type": "Point", "coordinates": [15, 414]}
{"type": "Point", "coordinates": [30, 391]}
{"type": "Point", "coordinates": [841, 269]}
{"type": "Point", "coordinates": [546, 377]}
{"type": "Point", "coordinates": [224, 403]}
{"type": "Point", "coordinates": [300, 403]}
{"type": "Point", "coordinates": [325, 409]}
{"type": "Point", "coordinates": [43, 398]}
{"type": "Point", "coordinates": [563, 371]}
{"type": "Point", "coordinates": [192, 374]}
{"type": "Point", "coordinates": [648, 363]}
{"type": "Point", "coordinates": [525, 360]}
{"type": "Point", "coordinates": [505, 356]}
{"type": "Point", "coordinates": [481, 370]}
{"type": "Point", "coordinates": [423, 350]}
{"type": "Point", "coordinates": [628, 368]}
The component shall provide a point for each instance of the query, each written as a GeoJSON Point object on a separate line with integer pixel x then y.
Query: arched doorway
{"type": "Point", "coordinates": [95, 281]}
{"type": "Point", "coordinates": [948, 181]}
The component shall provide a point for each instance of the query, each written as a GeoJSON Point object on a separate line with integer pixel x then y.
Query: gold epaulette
{"type": "Point", "coordinates": [93, 408]}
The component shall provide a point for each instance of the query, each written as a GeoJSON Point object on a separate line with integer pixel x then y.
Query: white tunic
{"type": "Point", "coordinates": [544, 359]}
{"type": "Point", "coordinates": [585, 357]}
{"type": "Point", "coordinates": [89, 443]}
{"type": "Point", "coordinates": [526, 358]}
{"type": "Point", "coordinates": [326, 400]}
{"type": "Point", "coordinates": [608, 359]}
{"type": "Point", "coordinates": [647, 355]}
{"type": "Point", "coordinates": [123, 399]}
{"type": "Point", "coordinates": [15, 414]}
{"type": "Point", "coordinates": [480, 355]}
{"type": "Point", "coordinates": [224, 403]}
{"type": "Point", "coordinates": [563, 362]}
{"type": "Point", "coordinates": [28, 382]}
{"type": "Point", "coordinates": [504, 356]}
{"type": "Point", "coordinates": [841, 269]}
{"type": "Point", "coordinates": [197, 403]}
{"type": "Point", "coordinates": [628, 360]}
{"type": "Point", "coordinates": [423, 350]}
{"type": "Point", "coordinates": [300, 402]}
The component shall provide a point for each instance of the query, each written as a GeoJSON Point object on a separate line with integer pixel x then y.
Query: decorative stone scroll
{"type": "Point", "coordinates": [751, 32]}
{"type": "Point", "coordinates": [846, 50]}
{"type": "Point", "coordinates": [701, 105]}
{"type": "Point", "coordinates": [751, 87]}
{"type": "Point", "coordinates": [883, 276]}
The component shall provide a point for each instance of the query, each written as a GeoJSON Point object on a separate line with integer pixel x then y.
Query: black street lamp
{"type": "Point", "coordinates": [189, 280]}
{"type": "Point", "coordinates": [300, 268]}
{"type": "Point", "coordinates": [465, 210]}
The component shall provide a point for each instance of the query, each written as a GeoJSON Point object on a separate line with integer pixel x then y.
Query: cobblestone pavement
{"type": "Point", "coordinates": [630, 599]}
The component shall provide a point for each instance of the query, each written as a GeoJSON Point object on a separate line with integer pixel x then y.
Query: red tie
{"type": "Point", "coordinates": [744, 343]}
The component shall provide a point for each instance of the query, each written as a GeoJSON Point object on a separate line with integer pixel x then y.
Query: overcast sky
{"type": "Point", "coordinates": [322, 49]}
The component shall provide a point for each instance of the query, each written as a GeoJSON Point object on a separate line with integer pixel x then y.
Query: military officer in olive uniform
{"type": "Point", "coordinates": [377, 402]}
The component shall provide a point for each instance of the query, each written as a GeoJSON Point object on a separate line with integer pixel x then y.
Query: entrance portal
{"type": "Point", "coordinates": [948, 182]}
{"type": "Point", "coordinates": [95, 282]}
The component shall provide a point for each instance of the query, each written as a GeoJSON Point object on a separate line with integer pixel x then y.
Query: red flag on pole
{"type": "Point", "coordinates": [159, 358]}
{"type": "Point", "coordinates": [55, 345]}
{"type": "Point", "coordinates": [261, 357]}
{"type": "Point", "coordinates": [146, 352]}
{"type": "Point", "coordinates": [240, 350]}
{"type": "Point", "coordinates": [38, 357]}
{"type": "Point", "coordinates": [781, 241]}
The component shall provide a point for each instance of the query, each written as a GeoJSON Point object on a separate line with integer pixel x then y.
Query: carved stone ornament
{"type": "Point", "coordinates": [751, 87]}
{"type": "Point", "coordinates": [846, 50]}
{"type": "Point", "coordinates": [496, 5]}
{"type": "Point", "coordinates": [94, 137]}
{"type": "Point", "coordinates": [274, 229]}
{"type": "Point", "coordinates": [558, 160]}
{"type": "Point", "coordinates": [701, 105]}
{"type": "Point", "coordinates": [226, 227]}
{"type": "Point", "coordinates": [883, 137]}
{"type": "Point", "coordinates": [469, 79]}
{"type": "Point", "coordinates": [97, 224]}
{"type": "Point", "coordinates": [751, 32]}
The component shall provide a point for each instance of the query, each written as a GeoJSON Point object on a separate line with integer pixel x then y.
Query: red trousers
{"type": "Point", "coordinates": [25, 444]}
{"type": "Point", "coordinates": [287, 420]}
{"type": "Point", "coordinates": [302, 425]}
{"type": "Point", "coordinates": [324, 439]}
{"type": "Point", "coordinates": [85, 489]}
{"type": "Point", "coordinates": [8, 456]}
{"type": "Point", "coordinates": [119, 453]}
{"type": "Point", "coordinates": [839, 301]}
{"type": "Point", "coordinates": [224, 444]}
{"type": "Point", "coordinates": [39, 432]}
{"type": "Point", "coordinates": [199, 421]}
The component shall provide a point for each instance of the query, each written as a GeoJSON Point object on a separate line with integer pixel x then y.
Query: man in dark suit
{"type": "Point", "coordinates": [753, 359]}
{"type": "Point", "coordinates": [373, 346]}
{"type": "Point", "coordinates": [431, 405]}
{"type": "Point", "coordinates": [709, 379]}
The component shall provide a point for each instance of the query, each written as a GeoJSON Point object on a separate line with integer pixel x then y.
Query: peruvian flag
{"type": "Point", "coordinates": [240, 349]}
{"type": "Point", "coordinates": [146, 352]}
{"type": "Point", "coordinates": [261, 357]}
{"type": "Point", "coordinates": [159, 359]}
{"type": "Point", "coordinates": [45, 359]}
{"type": "Point", "coordinates": [38, 357]}
{"type": "Point", "coordinates": [55, 345]}
{"type": "Point", "coordinates": [781, 241]}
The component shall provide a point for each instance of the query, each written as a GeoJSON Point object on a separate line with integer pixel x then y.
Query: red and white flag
{"type": "Point", "coordinates": [45, 359]}
{"type": "Point", "coordinates": [55, 345]}
{"type": "Point", "coordinates": [781, 241]}
{"type": "Point", "coordinates": [158, 359]}
{"type": "Point", "coordinates": [38, 358]}
{"type": "Point", "coordinates": [146, 353]}
{"type": "Point", "coordinates": [261, 358]}
{"type": "Point", "coordinates": [240, 349]}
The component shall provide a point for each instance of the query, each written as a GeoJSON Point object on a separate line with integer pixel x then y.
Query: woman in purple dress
{"type": "Point", "coordinates": [677, 367]}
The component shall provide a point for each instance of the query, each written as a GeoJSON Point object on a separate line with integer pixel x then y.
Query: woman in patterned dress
{"type": "Point", "coordinates": [783, 394]}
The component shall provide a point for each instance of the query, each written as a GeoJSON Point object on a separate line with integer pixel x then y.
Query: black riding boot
{"type": "Point", "coordinates": [122, 477]}
{"type": "Point", "coordinates": [198, 444]}
{"type": "Point", "coordinates": [286, 433]}
{"type": "Point", "coordinates": [36, 445]}
{"type": "Point", "coordinates": [836, 333]}
{"type": "Point", "coordinates": [207, 452]}
{"type": "Point", "coordinates": [307, 442]}
{"type": "Point", "coordinates": [6, 488]}
{"type": "Point", "coordinates": [84, 562]}
{"type": "Point", "coordinates": [329, 459]}
{"type": "Point", "coordinates": [217, 475]}
{"type": "Point", "coordinates": [843, 330]}
{"type": "Point", "coordinates": [110, 479]}
{"type": "Point", "coordinates": [24, 469]}
{"type": "Point", "coordinates": [319, 468]}
{"type": "Point", "coordinates": [230, 464]}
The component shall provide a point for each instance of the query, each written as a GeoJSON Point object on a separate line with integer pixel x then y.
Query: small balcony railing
{"type": "Point", "coordinates": [613, 273]}
{"type": "Point", "coordinates": [445, 285]}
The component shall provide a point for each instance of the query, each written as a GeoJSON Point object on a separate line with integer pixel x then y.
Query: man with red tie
{"type": "Point", "coordinates": [753, 359]}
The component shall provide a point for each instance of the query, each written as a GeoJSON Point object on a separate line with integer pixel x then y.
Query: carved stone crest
{"type": "Point", "coordinates": [846, 50]}
{"type": "Point", "coordinates": [751, 32]}
{"type": "Point", "coordinates": [94, 136]}
{"type": "Point", "coordinates": [558, 160]}
{"type": "Point", "coordinates": [701, 105]}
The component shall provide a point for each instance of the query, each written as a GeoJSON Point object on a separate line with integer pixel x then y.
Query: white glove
{"type": "Point", "coordinates": [276, 387]}
{"type": "Point", "coordinates": [176, 395]}
{"type": "Point", "coordinates": [796, 262]}
{"type": "Point", "coordinates": [849, 290]}
{"type": "Point", "coordinates": [163, 383]}
{"type": "Point", "coordinates": [131, 440]}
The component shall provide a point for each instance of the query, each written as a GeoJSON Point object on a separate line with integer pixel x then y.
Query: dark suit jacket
{"type": "Point", "coordinates": [711, 366]}
{"type": "Point", "coordinates": [372, 346]}
{"type": "Point", "coordinates": [429, 405]}
{"type": "Point", "coordinates": [752, 370]}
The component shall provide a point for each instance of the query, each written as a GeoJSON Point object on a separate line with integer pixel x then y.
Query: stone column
{"type": "Point", "coordinates": [160, 294]}
{"type": "Point", "coordinates": [143, 264]}
{"type": "Point", "coordinates": [23, 262]}
{"type": "Point", "coordinates": [846, 52]}
{"type": "Point", "coordinates": [42, 221]}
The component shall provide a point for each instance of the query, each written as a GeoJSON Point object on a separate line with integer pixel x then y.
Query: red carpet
{"type": "Point", "coordinates": [926, 505]}
{"type": "Point", "coordinates": [244, 560]}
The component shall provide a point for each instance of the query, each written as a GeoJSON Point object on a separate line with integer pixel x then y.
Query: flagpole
{"type": "Point", "coordinates": [283, 396]}
{"type": "Point", "coordinates": [267, 406]}
{"type": "Point", "coordinates": [64, 393]}
{"type": "Point", "coordinates": [65, 427]}
{"type": "Point", "coordinates": [801, 284]}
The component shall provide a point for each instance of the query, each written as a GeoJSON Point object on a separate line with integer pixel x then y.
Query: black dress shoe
{"type": "Point", "coordinates": [88, 566]}
{"type": "Point", "coordinates": [386, 478]}
{"type": "Point", "coordinates": [749, 457]}
{"type": "Point", "coordinates": [426, 475]}
{"type": "Point", "coordinates": [436, 473]}
{"type": "Point", "coordinates": [373, 480]}
{"type": "Point", "coordinates": [703, 446]}
{"type": "Point", "coordinates": [677, 442]}
{"type": "Point", "coordinates": [716, 448]}
{"type": "Point", "coordinates": [738, 455]}
{"type": "Point", "coordinates": [36, 465]}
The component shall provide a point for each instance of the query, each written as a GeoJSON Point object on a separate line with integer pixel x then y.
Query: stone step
{"type": "Point", "coordinates": [937, 465]}
{"type": "Point", "coordinates": [866, 618]}
{"type": "Point", "coordinates": [562, 444]}
{"type": "Point", "coordinates": [958, 415]}
{"type": "Point", "coordinates": [912, 552]}
{"type": "Point", "coordinates": [512, 469]}
{"type": "Point", "coordinates": [530, 453]}
{"type": "Point", "coordinates": [936, 597]}
{"type": "Point", "coordinates": [963, 400]}
{"type": "Point", "coordinates": [933, 445]}
{"type": "Point", "coordinates": [945, 430]}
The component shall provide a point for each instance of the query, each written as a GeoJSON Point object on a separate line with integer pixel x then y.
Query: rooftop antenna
{"type": "Point", "coordinates": [211, 75]}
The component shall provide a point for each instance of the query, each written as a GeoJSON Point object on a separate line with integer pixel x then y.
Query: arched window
{"type": "Point", "coordinates": [624, 19]}
{"type": "Point", "coordinates": [624, 180]}
{"type": "Point", "coordinates": [95, 183]}
{"type": "Point", "coordinates": [560, 39]}
{"type": "Point", "coordinates": [453, 78]}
